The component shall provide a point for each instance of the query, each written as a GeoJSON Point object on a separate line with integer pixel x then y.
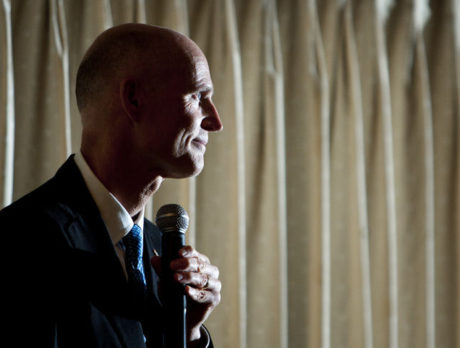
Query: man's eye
{"type": "Point", "coordinates": [197, 96]}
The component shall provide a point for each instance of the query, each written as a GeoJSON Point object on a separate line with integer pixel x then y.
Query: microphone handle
{"type": "Point", "coordinates": [175, 301]}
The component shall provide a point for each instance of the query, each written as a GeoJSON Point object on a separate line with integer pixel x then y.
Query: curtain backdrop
{"type": "Point", "coordinates": [331, 200]}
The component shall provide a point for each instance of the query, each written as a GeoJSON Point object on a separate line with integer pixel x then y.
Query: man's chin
{"type": "Point", "coordinates": [183, 172]}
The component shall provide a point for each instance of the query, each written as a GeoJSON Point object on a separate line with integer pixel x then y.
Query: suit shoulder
{"type": "Point", "coordinates": [58, 199]}
{"type": "Point", "coordinates": [32, 203]}
{"type": "Point", "coordinates": [44, 202]}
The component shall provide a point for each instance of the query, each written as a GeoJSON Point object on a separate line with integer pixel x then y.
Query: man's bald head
{"type": "Point", "coordinates": [132, 50]}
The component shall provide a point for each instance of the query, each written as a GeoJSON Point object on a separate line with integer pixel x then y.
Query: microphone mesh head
{"type": "Point", "coordinates": [172, 218]}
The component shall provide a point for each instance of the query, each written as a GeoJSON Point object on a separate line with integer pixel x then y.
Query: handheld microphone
{"type": "Point", "coordinates": [173, 221]}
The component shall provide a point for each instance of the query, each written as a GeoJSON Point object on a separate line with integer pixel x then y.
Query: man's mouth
{"type": "Point", "coordinates": [200, 141]}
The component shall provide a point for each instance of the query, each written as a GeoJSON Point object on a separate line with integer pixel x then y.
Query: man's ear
{"type": "Point", "coordinates": [130, 97]}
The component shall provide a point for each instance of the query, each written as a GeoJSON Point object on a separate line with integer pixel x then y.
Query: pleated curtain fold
{"type": "Point", "coordinates": [330, 201]}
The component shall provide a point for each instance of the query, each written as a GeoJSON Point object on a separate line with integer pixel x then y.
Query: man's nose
{"type": "Point", "coordinates": [212, 121]}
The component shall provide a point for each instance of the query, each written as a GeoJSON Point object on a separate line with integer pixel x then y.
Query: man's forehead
{"type": "Point", "coordinates": [193, 74]}
{"type": "Point", "coordinates": [201, 69]}
{"type": "Point", "coordinates": [201, 76]}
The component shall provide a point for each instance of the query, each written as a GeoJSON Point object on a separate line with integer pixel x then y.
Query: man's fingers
{"type": "Point", "coordinates": [203, 295]}
{"type": "Point", "coordinates": [198, 280]}
{"type": "Point", "coordinates": [194, 264]}
{"type": "Point", "coordinates": [194, 270]}
{"type": "Point", "coordinates": [189, 252]}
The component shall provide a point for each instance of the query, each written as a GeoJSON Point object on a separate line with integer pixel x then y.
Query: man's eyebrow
{"type": "Point", "coordinates": [208, 90]}
{"type": "Point", "coordinates": [204, 88]}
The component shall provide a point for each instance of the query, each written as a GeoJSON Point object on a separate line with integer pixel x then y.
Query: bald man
{"type": "Point", "coordinates": [144, 94]}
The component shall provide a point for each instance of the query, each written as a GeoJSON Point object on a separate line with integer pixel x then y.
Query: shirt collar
{"type": "Point", "coordinates": [116, 218]}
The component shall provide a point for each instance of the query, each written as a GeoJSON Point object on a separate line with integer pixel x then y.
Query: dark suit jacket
{"type": "Point", "coordinates": [67, 286]}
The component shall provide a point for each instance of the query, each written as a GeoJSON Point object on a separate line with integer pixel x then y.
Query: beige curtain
{"type": "Point", "coordinates": [331, 200]}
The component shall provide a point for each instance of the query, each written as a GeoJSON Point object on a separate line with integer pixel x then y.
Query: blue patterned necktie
{"type": "Point", "coordinates": [133, 255]}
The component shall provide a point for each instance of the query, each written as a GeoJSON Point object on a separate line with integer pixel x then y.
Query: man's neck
{"type": "Point", "coordinates": [129, 185]}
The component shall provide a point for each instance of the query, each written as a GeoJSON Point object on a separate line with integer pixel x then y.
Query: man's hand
{"type": "Point", "coordinates": [202, 286]}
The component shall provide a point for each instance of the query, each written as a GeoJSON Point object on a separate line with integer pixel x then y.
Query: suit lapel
{"type": "Point", "coordinates": [153, 313]}
{"type": "Point", "coordinates": [85, 229]}
{"type": "Point", "coordinates": [152, 241]}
